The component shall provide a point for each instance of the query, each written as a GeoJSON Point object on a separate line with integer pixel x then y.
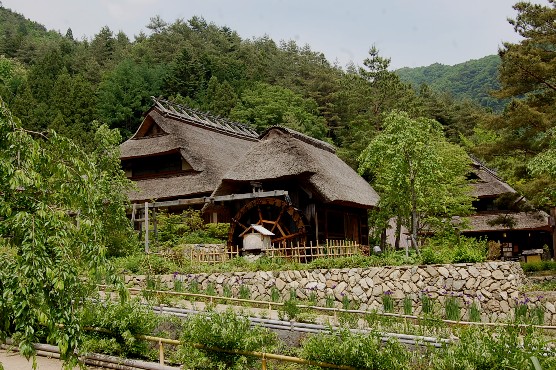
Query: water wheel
{"type": "Point", "coordinates": [276, 215]}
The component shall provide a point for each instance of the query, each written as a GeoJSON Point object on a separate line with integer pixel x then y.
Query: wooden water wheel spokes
{"type": "Point", "coordinates": [276, 215]}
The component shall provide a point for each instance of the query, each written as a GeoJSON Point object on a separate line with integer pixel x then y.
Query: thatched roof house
{"type": "Point", "coordinates": [282, 179]}
{"type": "Point", "coordinates": [283, 154]}
{"type": "Point", "coordinates": [332, 197]}
{"type": "Point", "coordinates": [501, 215]}
{"type": "Point", "coordinates": [179, 153]}
{"type": "Point", "coordinates": [505, 216]}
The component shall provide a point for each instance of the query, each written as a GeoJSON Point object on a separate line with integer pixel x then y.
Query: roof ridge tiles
{"type": "Point", "coordinates": [205, 119]}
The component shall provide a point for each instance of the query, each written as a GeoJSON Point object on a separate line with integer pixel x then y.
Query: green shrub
{"type": "Point", "coordinates": [217, 231]}
{"type": "Point", "coordinates": [360, 351]}
{"type": "Point", "coordinates": [538, 266]}
{"type": "Point", "coordinates": [225, 331]}
{"type": "Point", "coordinates": [172, 227]}
{"type": "Point", "coordinates": [452, 248]}
{"type": "Point", "coordinates": [146, 264]}
{"type": "Point", "coordinates": [431, 257]}
{"type": "Point", "coordinates": [124, 321]}
{"type": "Point", "coordinates": [289, 310]}
{"type": "Point", "coordinates": [502, 348]}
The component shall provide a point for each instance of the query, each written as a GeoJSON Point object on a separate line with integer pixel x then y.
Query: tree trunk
{"type": "Point", "coordinates": [414, 214]}
{"type": "Point", "coordinates": [398, 232]}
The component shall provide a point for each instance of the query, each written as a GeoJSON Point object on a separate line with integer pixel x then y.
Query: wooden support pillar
{"type": "Point", "coordinates": [553, 224]}
{"type": "Point", "coordinates": [146, 227]}
{"type": "Point", "coordinates": [317, 225]}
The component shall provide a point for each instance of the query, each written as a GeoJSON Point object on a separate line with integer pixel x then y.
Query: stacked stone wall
{"type": "Point", "coordinates": [494, 287]}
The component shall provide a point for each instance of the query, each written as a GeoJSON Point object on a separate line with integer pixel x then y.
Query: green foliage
{"type": "Point", "coordinates": [524, 129]}
{"type": "Point", "coordinates": [544, 165]}
{"type": "Point", "coordinates": [471, 80]}
{"type": "Point", "coordinates": [360, 351]}
{"type": "Point", "coordinates": [189, 228]}
{"type": "Point", "coordinates": [226, 291]}
{"type": "Point", "coordinates": [451, 248]}
{"type": "Point", "coordinates": [474, 313]}
{"type": "Point", "coordinates": [266, 105]}
{"type": "Point", "coordinates": [124, 320]}
{"type": "Point", "coordinates": [427, 304]}
{"type": "Point", "coordinates": [452, 308]}
{"type": "Point", "coordinates": [244, 292]}
{"type": "Point", "coordinates": [210, 290]}
{"type": "Point", "coordinates": [290, 309]}
{"type": "Point", "coordinates": [539, 266]}
{"type": "Point", "coordinates": [124, 93]}
{"type": "Point", "coordinates": [418, 174]}
{"type": "Point", "coordinates": [501, 348]}
{"type": "Point", "coordinates": [407, 305]}
{"type": "Point", "coordinates": [146, 264]}
{"type": "Point", "coordinates": [59, 207]}
{"type": "Point", "coordinates": [217, 231]}
{"type": "Point", "coordinates": [387, 301]}
{"type": "Point", "coordinates": [225, 331]}
{"type": "Point", "coordinates": [274, 294]}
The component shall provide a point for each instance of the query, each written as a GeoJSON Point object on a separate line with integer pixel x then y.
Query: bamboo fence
{"type": "Point", "coordinates": [298, 252]}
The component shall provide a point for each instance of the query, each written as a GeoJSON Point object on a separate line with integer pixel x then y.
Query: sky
{"type": "Point", "coordinates": [412, 33]}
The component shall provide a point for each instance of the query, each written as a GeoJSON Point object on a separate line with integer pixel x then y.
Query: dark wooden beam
{"type": "Point", "coordinates": [219, 198]}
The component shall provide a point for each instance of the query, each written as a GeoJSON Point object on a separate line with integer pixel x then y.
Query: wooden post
{"type": "Point", "coordinates": [160, 352]}
{"type": "Point", "coordinates": [146, 227]}
{"type": "Point", "coordinates": [553, 222]}
{"type": "Point", "coordinates": [317, 224]}
{"type": "Point", "coordinates": [263, 362]}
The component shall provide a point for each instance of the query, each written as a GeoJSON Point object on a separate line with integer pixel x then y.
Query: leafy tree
{"type": "Point", "coordinates": [103, 46]}
{"type": "Point", "coordinates": [220, 97]}
{"type": "Point", "coordinates": [543, 166]}
{"type": "Point", "coordinates": [124, 93]}
{"type": "Point", "coordinates": [57, 206]}
{"type": "Point", "coordinates": [527, 75]}
{"type": "Point", "coordinates": [265, 105]}
{"type": "Point", "coordinates": [366, 94]}
{"type": "Point", "coordinates": [12, 76]}
{"type": "Point", "coordinates": [188, 75]}
{"type": "Point", "coordinates": [419, 175]}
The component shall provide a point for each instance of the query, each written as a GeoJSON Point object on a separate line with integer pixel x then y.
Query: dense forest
{"type": "Point", "coordinates": [474, 80]}
{"type": "Point", "coordinates": [53, 81]}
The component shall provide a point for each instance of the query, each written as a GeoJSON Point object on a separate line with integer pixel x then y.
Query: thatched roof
{"type": "Point", "coordinates": [537, 220]}
{"type": "Point", "coordinates": [210, 146]}
{"type": "Point", "coordinates": [487, 184]}
{"type": "Point", "coordinates": [283, 153]}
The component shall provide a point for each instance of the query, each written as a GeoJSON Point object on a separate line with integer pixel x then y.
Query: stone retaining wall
{"type": "Point", "coordinates": [493, 286]}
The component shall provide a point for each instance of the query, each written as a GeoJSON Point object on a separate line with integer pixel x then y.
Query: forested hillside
{"type": "Point", "coordinates": [474, 80]}
{"type": "Point", "coordinates": [53, 81]}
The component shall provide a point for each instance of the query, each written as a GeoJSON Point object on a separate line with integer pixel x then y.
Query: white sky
{"type": "Point", "coordinates": [412, 33]}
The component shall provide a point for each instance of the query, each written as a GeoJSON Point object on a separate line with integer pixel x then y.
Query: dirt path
{"type": "Point", "coordinates": [13, 361]}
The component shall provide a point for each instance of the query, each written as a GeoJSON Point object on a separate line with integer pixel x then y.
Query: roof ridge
{"type": "Point", "coordinates": [486, 168]}
{"type": "Point", "coordinates": [303, 137]}
{"type": "Point", "coordinates": [204, 119]}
